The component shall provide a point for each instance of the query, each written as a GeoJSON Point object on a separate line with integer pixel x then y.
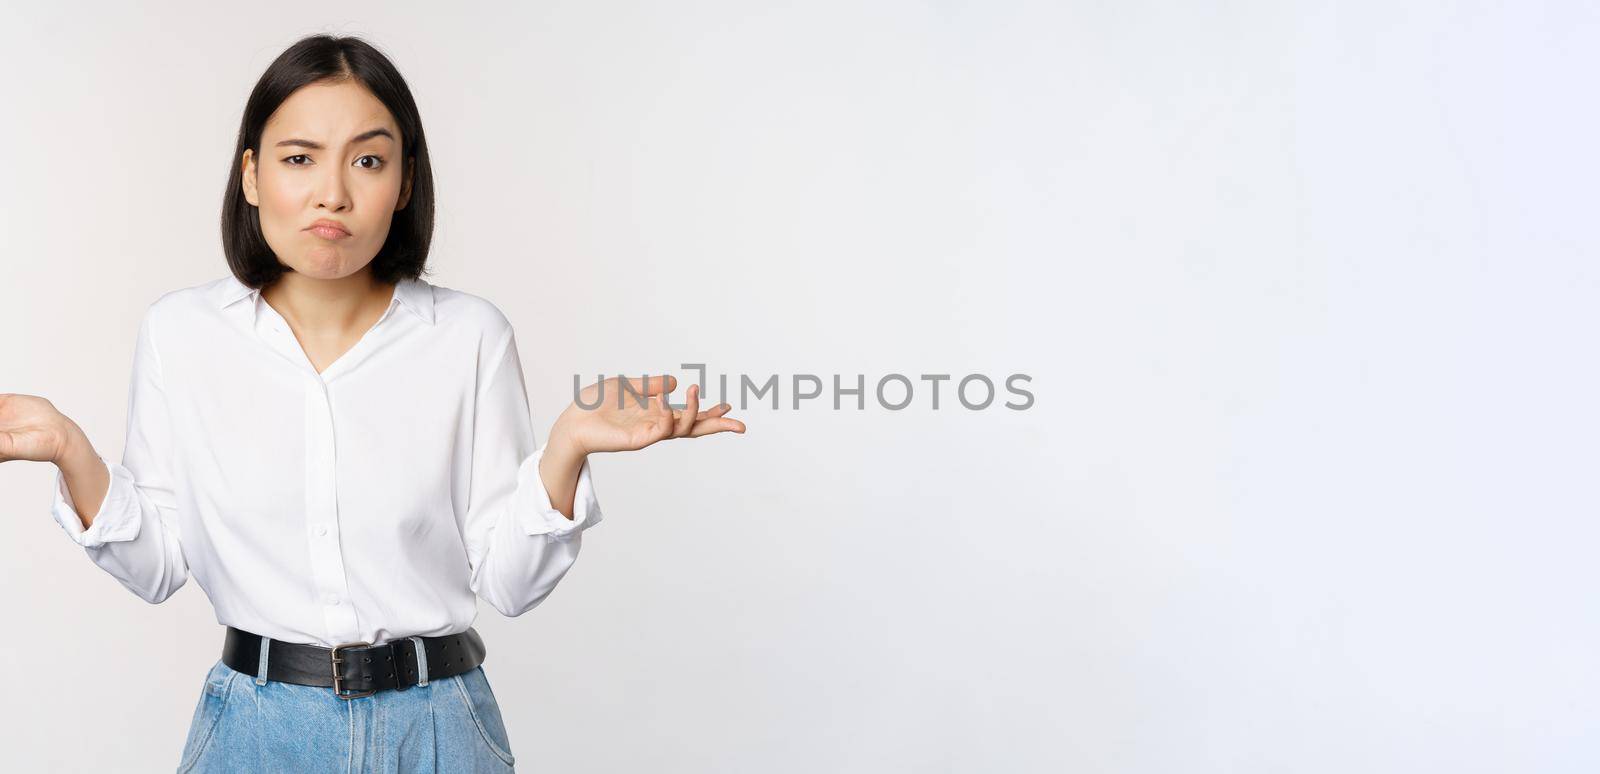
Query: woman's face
{"type": "Point", "coordinates": [330, 152]}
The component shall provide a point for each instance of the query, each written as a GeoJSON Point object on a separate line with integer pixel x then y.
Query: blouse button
{"type": "Point", "coordinates": [322, 529]}
{"type": "Point", "coordinates": [332, 599]}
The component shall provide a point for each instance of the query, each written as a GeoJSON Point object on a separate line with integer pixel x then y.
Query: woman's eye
{"type": "Point", "coordinates": [378, 161]}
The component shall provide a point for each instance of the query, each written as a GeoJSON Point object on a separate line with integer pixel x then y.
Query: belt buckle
{"type": "Point", "coordinates": [333, 658]}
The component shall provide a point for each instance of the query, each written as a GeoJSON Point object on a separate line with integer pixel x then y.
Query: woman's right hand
{"type": "Point", "coordinates": [32, 429]}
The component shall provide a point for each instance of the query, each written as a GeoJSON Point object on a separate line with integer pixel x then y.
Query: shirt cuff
{"type": "Point", "coordinates": [117, 519]}
{"type": "Point", "coordinates": [539, 517]}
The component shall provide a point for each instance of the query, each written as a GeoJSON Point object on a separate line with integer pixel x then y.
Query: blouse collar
{"type": "Point", "coordinates": [414, 294]}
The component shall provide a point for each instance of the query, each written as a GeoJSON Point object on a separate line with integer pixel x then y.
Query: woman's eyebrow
{"type": "Point", "coordinates": [363, 137]}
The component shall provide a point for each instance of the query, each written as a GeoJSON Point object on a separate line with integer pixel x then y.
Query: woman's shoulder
{"type": "Point", "coordinates": [206, 296]}
{"type": "Point", "coordinates": [454, 307]}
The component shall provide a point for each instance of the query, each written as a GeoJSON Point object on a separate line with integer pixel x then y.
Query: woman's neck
{"type": "Point", "coordinates": [329, 306]}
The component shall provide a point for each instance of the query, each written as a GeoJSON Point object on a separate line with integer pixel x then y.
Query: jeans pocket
{"type": "Point", "coordinates": [213, 699]}
{"type": "Point", "coordinates": [473, 686]}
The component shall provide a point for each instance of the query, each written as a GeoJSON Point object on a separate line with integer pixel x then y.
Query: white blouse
{"type": "Point", "coordinates": [371, 502]}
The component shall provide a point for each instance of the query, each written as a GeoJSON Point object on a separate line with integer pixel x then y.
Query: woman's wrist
{"type": "Point", "coordinates": [560, 465]}
{"type": "Point", "coordinates": [77, 454]}
{"type": "Point", "coordinates": [563, 446]}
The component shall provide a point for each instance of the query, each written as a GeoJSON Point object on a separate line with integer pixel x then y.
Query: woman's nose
{"type": "Point", "coordinates": [332, 192]}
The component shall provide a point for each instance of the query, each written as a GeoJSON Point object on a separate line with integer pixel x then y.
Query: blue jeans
{"type": "Point", "coordinates": [247, 724]}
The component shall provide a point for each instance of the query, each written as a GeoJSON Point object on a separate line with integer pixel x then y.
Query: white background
{"type": "Point", "coordinates": [1307, 292]}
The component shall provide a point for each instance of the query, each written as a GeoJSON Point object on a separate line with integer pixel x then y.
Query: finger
{"type": "Point", "coordinates": [716, 425]}
{"type": "Point", "coordinates": [660, 415]}
{"type": "Point", "coordinates": [657, 385]}
{"type": "Point", "coordinates": [715, 411]}
{"type": "Point", "coordinates": [686, 418]}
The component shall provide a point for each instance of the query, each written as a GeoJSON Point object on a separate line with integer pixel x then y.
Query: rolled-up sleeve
{"type": "Point", "coordinates": [518, 545]}
{"type": "Point", "coordinates": [134, 535]}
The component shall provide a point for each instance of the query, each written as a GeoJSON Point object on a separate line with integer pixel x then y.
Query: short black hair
{"type": "Point", "coordinates": [404, 254]}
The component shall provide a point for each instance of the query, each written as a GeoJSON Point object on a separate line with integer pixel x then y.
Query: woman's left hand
{"type": "Point", "coordinates": [625, 425]}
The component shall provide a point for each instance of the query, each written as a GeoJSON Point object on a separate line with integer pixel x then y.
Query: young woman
{"type": "Point", "coordinates": [338, 451]}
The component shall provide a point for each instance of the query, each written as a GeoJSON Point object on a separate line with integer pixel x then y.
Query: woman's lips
{"type": "Point", "coordinates": [329, 232]}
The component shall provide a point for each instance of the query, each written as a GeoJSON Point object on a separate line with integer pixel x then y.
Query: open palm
{"type": "Point", "coordinates": [31, 429]}
{"type": "Point", "coordinates": [629, 426]}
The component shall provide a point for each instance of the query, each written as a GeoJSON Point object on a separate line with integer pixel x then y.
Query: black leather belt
{"type": "Point", "coordinates": [355, 669]}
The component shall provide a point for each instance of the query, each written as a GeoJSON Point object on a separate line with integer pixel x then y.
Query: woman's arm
{"type": "Point", "coordinates": [124, 515]}
{"type": "Point", "coordinates": [84, 472]}
{"type": "Point", "coordinates": [641, 417]}
{"type": "Point", "coordinates": [519, 543]}
{"type": "Point", "coordinates": [31, 428]}
{"type": "Point", "coordinates": [528, 507]}
{"type": "Point", "coordinates": [559, 468]}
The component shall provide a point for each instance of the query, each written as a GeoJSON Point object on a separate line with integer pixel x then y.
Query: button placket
{"type": "Point", "coordinates": [329, 576]}
{"type": "Point", "coordinates": [322, 505]}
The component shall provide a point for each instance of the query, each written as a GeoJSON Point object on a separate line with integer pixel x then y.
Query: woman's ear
{"type": "Point", "coordinates": [405, 188]}
{"type": "Point", "coordinates": [247, 177]}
